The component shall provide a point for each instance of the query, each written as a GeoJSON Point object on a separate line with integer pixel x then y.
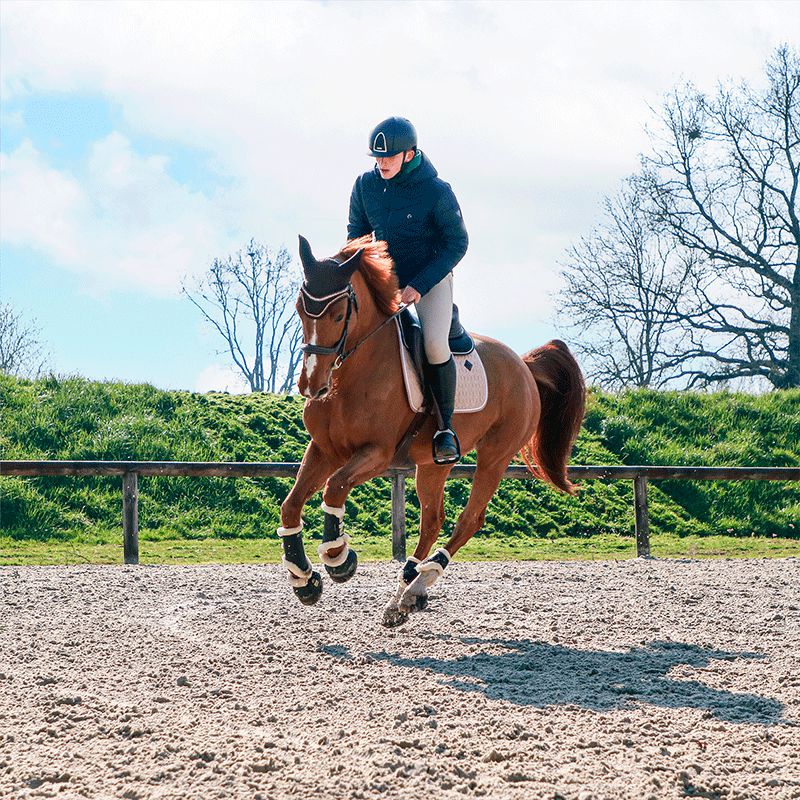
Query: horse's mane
{"type": "Point", "coordinates": [375, 266]}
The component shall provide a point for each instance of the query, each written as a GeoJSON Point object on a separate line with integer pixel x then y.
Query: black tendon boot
{"type": "Point", "coordinates": [446, 449]}
{"type": "Point", "coordinates": [306, 582]}
{"type": "Point", "coordinates": [343, 566]}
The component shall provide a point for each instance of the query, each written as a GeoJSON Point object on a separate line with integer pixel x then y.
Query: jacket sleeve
{"type": "Point", "coordinates": [452, 245]}
{"type": "Point", "coordinates": [358, 224]}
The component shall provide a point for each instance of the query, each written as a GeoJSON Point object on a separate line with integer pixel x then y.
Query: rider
{"type": "Point", "coordinates": [404, 203]}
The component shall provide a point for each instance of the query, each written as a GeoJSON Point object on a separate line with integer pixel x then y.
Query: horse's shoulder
{"type": "Point", "coordinates": [316, 418]}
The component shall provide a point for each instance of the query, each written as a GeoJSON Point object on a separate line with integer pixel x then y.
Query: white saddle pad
{"type": "Point", "coordinates": [472, 391]}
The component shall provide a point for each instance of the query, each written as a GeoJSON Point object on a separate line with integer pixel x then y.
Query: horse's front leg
{"type": "Point", "coordinates": [313, 472]}
{"type": "Point", "coordinates": [335, 553]}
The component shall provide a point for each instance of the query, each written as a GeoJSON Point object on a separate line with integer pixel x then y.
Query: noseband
{"type": "Point", "coordinates": [315, 307]}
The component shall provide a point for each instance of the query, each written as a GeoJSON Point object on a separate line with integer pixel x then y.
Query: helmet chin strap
{"type": "Point", "coordinates": [406, 160]}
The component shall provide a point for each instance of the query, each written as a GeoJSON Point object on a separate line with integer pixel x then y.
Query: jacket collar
{"type": "Point", "coordinates": [422, 171]}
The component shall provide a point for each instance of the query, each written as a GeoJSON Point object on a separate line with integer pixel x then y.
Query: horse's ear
{"type": "Point", "coordinates": [306, 256]}
{"type": "Point", "coordinates": [350, 265]}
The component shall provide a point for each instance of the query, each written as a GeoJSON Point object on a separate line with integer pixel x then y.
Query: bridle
{"type": "Point", "coordinates": [315, 307]}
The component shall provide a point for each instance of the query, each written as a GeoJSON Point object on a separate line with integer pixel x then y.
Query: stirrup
{"type": "Point", "coordinates": [438, 458]}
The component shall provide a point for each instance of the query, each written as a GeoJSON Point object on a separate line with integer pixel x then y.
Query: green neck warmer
{"type": "Point", "coordinates": [410, 166]}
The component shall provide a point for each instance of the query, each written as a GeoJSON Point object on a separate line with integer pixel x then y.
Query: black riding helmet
{"type": "Point", "coordinates": [392, 136]}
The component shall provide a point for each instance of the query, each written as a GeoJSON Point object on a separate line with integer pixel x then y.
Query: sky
{"type": "Point", "coordinates": [139, 141]}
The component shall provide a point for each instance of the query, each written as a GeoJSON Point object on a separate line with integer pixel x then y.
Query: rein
{"type": "Point", "coordinates": [338, 349]}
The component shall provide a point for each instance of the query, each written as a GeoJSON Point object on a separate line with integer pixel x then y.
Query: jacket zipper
{"type": "Point", "coordinates": [390, 203]}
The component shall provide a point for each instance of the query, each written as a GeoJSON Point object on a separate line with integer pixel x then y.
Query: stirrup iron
{"type": "Point", "coordinates": [445, 459]}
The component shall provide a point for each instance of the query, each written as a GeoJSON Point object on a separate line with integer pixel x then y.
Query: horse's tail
{"type": "Point", "coordinates": [563, 396]}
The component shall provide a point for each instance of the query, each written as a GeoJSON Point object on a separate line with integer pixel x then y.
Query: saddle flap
{"type": "Point", "coordinates": [461, 343]}
{"type": "Point", "coordinates": [411, 338]}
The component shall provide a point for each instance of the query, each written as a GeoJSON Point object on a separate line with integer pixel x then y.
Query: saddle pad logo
{"type": "Point", "coordinates": [379, 145]}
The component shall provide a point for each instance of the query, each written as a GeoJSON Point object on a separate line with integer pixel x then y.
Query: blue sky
{"type": "Point", "coordinates": [104, 332]}
{"type": "Point", "coordinates": [64, 125]}
{"type": "Point", "coordinates": [139, 141]}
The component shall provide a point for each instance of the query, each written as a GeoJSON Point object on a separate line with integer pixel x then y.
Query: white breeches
{"type": "Point", "coordinates": [435, 311]}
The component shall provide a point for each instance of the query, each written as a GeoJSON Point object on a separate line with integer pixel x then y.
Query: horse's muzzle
{"type": "Point", "coordinates": [315, 379]}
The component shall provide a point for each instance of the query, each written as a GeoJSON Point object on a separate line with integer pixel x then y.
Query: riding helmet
{"type": "Point", "coordinates": [392, 136]}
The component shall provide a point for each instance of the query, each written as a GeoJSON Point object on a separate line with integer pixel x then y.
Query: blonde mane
{"type": "Point", "coordinates": [375, 266]}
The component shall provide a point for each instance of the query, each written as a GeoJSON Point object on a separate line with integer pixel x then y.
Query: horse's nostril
{"type": "Point", "coordinates": [321, 393]}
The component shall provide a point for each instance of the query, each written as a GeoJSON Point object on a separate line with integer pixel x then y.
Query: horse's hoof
{"type": "Point", "coordinates": [393, 617]}
{"type": "Point", "coordinates": [311, 592]}
{"type": "Point", "coordinates": [344, 572]}
{"type": "Point", "coordinates": [414, 598]}
{"type": "Point", "coordinates": [420, 603]}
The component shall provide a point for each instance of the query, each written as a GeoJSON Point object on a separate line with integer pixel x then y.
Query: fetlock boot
{"type": "Point", "coordinates": [446, 448]}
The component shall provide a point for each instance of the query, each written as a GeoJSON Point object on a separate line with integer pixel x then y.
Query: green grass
{"type": "Point", "coordinates": [72, 418]}
{"type": "Point", "coordinates": [106, 548]}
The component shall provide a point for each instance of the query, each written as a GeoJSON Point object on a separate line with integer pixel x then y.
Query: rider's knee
{"type": "Point", "coordinates": [437, 352]}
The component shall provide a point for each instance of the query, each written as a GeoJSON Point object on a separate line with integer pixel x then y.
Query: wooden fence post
{"type": "Point", "coordinates": [642, 519]}
{"type": "Point", "coordinates": [130, 516]}
{"type": "Point", "coordinates": [399, 516]}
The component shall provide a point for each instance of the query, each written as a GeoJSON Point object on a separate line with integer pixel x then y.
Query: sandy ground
{"type": "Point", "coordinates": [654, 679]}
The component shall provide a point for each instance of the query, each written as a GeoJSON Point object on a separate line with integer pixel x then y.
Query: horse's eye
{"type": "Point", "coordinates": [339, 318]}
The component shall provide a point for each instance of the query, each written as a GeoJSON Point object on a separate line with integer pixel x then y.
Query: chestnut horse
{"type": "Point", "coordinates": [357, 414]}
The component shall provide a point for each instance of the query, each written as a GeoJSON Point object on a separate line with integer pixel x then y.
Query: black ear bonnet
{"type": "Point", "coordinates": [325, 281]}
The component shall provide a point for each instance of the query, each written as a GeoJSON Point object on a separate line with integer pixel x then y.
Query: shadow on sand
{"type": "Point", "coordinates": [539, 674]}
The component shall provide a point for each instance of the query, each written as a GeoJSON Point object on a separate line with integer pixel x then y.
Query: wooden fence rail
{"type": "Point", "coordinates": [131, 470]}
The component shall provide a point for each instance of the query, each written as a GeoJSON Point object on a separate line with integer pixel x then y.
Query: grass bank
{"type": "Point", "coordinates": [72, 418]}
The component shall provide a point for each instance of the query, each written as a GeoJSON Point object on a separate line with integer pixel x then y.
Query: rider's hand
{"type": "Point", "coordinates": [410, 295]}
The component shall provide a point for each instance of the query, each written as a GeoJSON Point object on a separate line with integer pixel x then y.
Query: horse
{"type": "Point", "coordinates": [356, 414]}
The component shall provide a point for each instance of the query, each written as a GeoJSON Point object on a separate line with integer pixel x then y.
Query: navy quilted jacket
{"type": "Point", "coordinates": [417, 215]}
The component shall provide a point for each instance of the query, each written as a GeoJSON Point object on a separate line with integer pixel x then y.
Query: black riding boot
{"type": "Point", "coordinates": [446, 449]}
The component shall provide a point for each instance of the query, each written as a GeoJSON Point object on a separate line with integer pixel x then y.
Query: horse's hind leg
{"type": "Point", "coordinates": [430, 480]}
{"type": "Point", "coordinates": [339, 560]}
{"type": "Point", "coordinates": [487, 478]}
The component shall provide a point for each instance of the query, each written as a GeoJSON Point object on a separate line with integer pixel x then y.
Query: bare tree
{"type": "Point", "coordinates": [723, 182]}
{"type": "Point", "coordinates": [21, 350]}
{"type": "Point", "coordinates": [249, 300]}
{"type": "Point", "coordinates": [622, 286]}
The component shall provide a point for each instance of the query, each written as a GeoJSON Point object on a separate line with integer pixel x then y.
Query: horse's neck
{"type": "Point", "coordinates": [369, 316]}
{"type": "Point", "coordinates": [376, 358]}
{"type": "Point", "coordinates": [372, 336]}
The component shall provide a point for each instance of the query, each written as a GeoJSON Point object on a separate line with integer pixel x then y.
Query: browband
{"type": "Point", "coordinates": [316, 306]}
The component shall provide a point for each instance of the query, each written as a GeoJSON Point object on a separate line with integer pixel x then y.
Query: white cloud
{"type": "Point", "coordinates": [123, 222]}
{"type": "Point", "coordinates": [532, 111]}
{"type": "Point", "coordinates": [39, 204]}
